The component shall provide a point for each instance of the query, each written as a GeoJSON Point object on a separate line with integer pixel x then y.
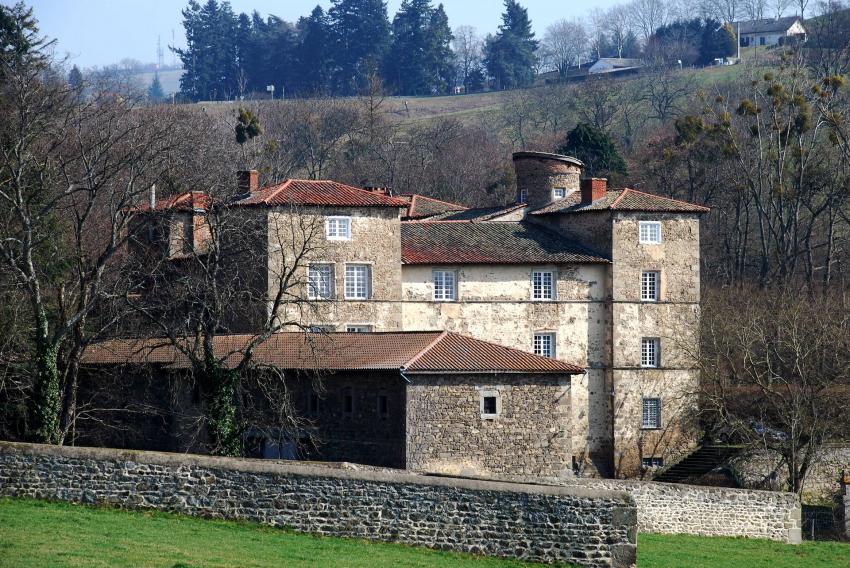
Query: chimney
{"type": "Point", "coordinates": [593, 189]}
{"type": "Point", "coordinates": [247, 181]}
{"type": "Point", "coordinates": [379, 189]}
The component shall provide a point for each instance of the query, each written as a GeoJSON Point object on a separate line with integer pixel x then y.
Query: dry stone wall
{"type": "Point", "coordinates": [585, 526]}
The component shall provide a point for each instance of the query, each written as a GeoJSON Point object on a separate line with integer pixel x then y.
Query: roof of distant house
{"type": "Point", "coordinates": [619, 62]}
{"type": "Point", "coordinates": [420, 206]}
{"type": "Point", "coordinates": [186, 201]}
{"type": "Point", "coordinates": [464, 242]}
{"type": "Point", "coordinates": [768, 25]}
{"type": "Point", "coordinates": [408, 351]}
{"type": "Point", "coordinates": [319, 193]}
{"type": "Point", "coordinates": [621, 200]}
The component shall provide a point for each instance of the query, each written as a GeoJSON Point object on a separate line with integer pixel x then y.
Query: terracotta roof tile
{"type": "Point", "coordinates": [621, 200]}
{"type": "Point", "coordinates": [412, 351]}
{"type": "Point", "coordinates": [186, 201]}
{"type": "Point", "coordinates": [464, 242]}
{"type": "Point", "coordinates": [420, 206]}
{"type": "Point", "coordinates": [318, 192]}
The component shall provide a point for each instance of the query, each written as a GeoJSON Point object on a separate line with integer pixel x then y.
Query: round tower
{"type": "Point", "coordinates": [541, 177]}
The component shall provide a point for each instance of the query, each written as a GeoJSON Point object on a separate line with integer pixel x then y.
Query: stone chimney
{"type": "Point", "coordinates": [593, 189]}
{"type": "Point", "coordinates": [379, 189]}
{"type": "Point", "coordinates": [247, 181]}
{"type": "Point", "coordinates": [539, 173]}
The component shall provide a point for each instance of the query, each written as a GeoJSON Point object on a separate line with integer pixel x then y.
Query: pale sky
{"type": "Point", "coordinates": [100, 32]}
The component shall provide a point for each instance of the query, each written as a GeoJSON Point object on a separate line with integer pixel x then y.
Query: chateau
{"type": "Point", "coordinates": [549, 337]}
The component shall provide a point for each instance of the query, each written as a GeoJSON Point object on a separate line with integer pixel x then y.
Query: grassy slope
{"type": "Point", "coordinates": [39, 534]}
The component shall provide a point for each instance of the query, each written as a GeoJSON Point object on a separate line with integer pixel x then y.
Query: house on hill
{"type": "Point", "coordinates": [615, 65]}
{"type": "Point", "coordinates": [771, 31]}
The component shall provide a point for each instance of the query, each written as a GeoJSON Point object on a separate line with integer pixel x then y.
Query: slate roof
{"type": "Point", "coordinates": [621, 200]}
{"type": "Point", "coordinates": [480, 213]}
{"type": "Point", "coordinates": [320, 193]}
{"type": "Point", "coordinates": [187, 201]}
{"type": "Point", "coordinates": [463, 242]}
{"type": "Point", "coordinates": [420, 206]}
{"type": "Point", "coordinates": [768, 25]}
{"type": "Point", "coordinates": [409, 351]}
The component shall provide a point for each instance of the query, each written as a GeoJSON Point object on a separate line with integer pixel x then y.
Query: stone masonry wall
{"type": "Point", "coordinates": [538, 176]}
{"type": "Point", "coordinates": [564, 524]}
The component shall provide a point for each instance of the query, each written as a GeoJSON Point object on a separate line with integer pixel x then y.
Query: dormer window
{"type": "Point", "coordinates": [338, 228]}
{"type": "Point", "coordinates": [559, 193]}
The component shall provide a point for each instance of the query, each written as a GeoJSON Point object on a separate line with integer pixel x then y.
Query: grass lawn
{"type": "Point", "coordinates": [41, 534]}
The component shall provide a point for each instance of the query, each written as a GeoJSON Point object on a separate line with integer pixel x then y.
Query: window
{"type": "Point", "coordinates": [542, 287]}
{"type": "Point", "coordinates": [651, 415]}
{"type": "Point", "coordinates": [383, 406]}
{"type": "Point", "coordinates": [761, 40]}
{"type": "Point", "coordinates": [321, 282]}
{"type": "Point", "coordinates": [650, 352]}
{"type": "Point", "coordinates": [490, 406]}
{"type": "Point", "coordinates": [338, 228]}
{"type": "Point", "coordinates": [558, 193]}
{"type": "Point", "coordinates": [348, 401]}
{"type": "Point", "coordinates": [523, 196]}
{"type": "Point", "coordinates": [649, 286]}
{"type": "Point", "coordinates": [650, 232]}
{"type": "Point", "coordinates": [544, 344]}
{"type": "Point", "coordinates": [651, 463]}
{"type": "Point", "coordinates": [358, 281]}
{"type": "Point", "coordinates": [445, 282]}
{"type": "Point", "coordinates": [351, 328]}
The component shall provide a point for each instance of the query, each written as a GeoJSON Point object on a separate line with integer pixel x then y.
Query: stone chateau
{"type": "Point", "coordinates": [550, 337]}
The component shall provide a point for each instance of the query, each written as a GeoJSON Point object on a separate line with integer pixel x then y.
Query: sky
{"type": "Point", "coordinates": [101, 32]}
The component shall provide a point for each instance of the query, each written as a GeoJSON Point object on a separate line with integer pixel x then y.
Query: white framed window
{"type": "Point", "coordinates": [358, 328]}
{"type": "Point", "coordinates": [338, 228]}
{"type": "Point", "coordinates": [650, 352]}
{"type": "Point", "coordinates": [523, 196]}
{"type": "Point", "coordinates": [650, 232]}
{"type": "Point", "coordinates": [544, 344]}
{"type": "Point", "coordinates": [651, 414]}
{"type": "Point", "coordinates": [559, 193]}
{"type": "Point", "coordinates": [651, 463]}
{"type": "Point", "coordinates": [445, 285]}
{"type": "Point", "coordinates": [358, 281]}
{"type": "Point", "coordinates": [321, 282]}
{"type": "Point", "coordinates": [491, 405]}
{"type": "Point", "coordinates": [649, 286]}
{"type": "Point", "coordinates": [542, 285]}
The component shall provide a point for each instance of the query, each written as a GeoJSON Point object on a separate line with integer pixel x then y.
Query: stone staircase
{"type": "Point", "coordinates": [698, 463]}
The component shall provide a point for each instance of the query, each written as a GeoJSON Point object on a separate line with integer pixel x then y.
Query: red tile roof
{"type": "Point", "coordinates": [420, 206]}
{"type": "Point", "coordinates": [410, 352]}
{"type": "Point", "coordinates": [319, 192]}
{"type": "Point", "coordinates": [621, 200]}
{"type": "Point", "coordinates": [186, 201]}
{"type": "Point", "coordinates": [464, 242]}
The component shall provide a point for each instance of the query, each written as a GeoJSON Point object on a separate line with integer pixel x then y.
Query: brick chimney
{"type": "Point", "coordinates": [593, 189]}
{"type": "Point", "coordinates": [379, 189]}
{"type": "Point", "coordinates": [247, 181]}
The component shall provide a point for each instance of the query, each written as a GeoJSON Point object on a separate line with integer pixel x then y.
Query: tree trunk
{"type": "Point", "coordinates": [46, 398]}
{"type": "Point", "coordinates": [219, 384]}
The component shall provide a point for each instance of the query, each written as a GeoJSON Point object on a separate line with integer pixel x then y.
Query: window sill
{"type": "Point", "coordinates": [489, 416]}
{"type": "Point", "coordinates": [650, 428]}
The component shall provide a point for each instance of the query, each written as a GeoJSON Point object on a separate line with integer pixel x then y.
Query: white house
{"type": "Point", "coordinates": [771, 31]}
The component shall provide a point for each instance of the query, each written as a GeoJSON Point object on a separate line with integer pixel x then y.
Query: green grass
{"type": "Point", "coordinates": [42, 534]}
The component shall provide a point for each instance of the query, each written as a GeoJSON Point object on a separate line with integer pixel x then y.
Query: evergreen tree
{"type": "Point", "coordinates": [75, 77]}
{"type": "Point", "coordinates": [19, 37]}
{"type": "Point", "coordinates": [717, 41]}
{"type": "Point", "coordinates": [155, 92]}
{"type": "Point", "coordinates": [360, 33]}
{"type": "Point", "coordinates": [312, 55]}
{"type": "Point", "coordinates": [509, 55]}
{"type": "Point", "coordinates": [441, 61]}
{"type": "Point", "coordinates": [407, 65]}
{"type": "Point", "coordinates": [593, 147]}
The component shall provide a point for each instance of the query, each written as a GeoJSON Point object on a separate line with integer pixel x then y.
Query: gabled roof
{"type": "Point", "coordinates": [768, 25]}
{"type": "Point", "coordinates": [187, 201]}
{"type": "Point", "coordinates": [464, 242]}
{"type": "Point", "coordinates": [480, 213]}
{"type": "Point", "coordinates": [619, 61]}
{"type": "Point", "coordinates": [420, 206]}
{"type": "Point", "coordinates": [409, 352]}
{"type": "Point", "coordinates": [621, 200]}
{"type": "Point", "coordinates": [320, 193]}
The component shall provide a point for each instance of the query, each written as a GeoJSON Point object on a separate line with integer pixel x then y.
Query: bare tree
{"type": "Point", "coordinates": [564, 45]}
{"type": "Point", "coordinates": [467, 46]}
{"type": "Point", "coordinates": [649, 15]}
{"type": "Point", "coordinates": [618, 25]}
{"type": "Point", "coordinates": [726, 10]}
{"type": "Point", "coordinates": [754, 9]}
{"type": "Point", "coordinates": [778, 7]}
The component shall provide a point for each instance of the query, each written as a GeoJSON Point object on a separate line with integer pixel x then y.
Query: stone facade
{"type": "Point", "coordinates": [539, 173]}
{"type": "Point", "coordinates": [584, 526]}
{"type": "Point", "coordinates": [448, 431]}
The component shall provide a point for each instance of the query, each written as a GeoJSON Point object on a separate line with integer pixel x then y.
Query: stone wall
{"type": "Point", "coordinates": [586, 526]}
{"type": "Point", "coordinates": [539, 174]}
{"type": "Point", "coordinates": [845, 497]}
{"type": "Point", "coordinates": [529, 435]}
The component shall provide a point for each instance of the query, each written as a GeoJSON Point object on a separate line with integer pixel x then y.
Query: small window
{"type": "Point", "coordinates": [351, 328]}
{"type": "Point", "coordinates": [542, 285]}
{"type": "Point", "coordinates": [523, 196]}
{"type": "Point", "coordinates": [338, 228]}
{"type": "Point", "coordinates": [445, 285]}
{"type": "Point", "coordinates": [321, 282]}
{"type": "Point", "coordinates": [651, 463]}
{"type": "Point", "coordinates": [650, 352]}
{"type": "Point", "coordinates": [559, 193]}
{"type": "Point", "coordinates": [650, 232]}
{"type": "Point", "coordinates": [348, 401]}
{"type": "Point", "coordinates": [649, 286]}
{"type": "Point", "coordinates": [383, 406]}
{"type": "Point", "coordinates": [651, 415]}
{"type": "Point", "coordinates": [544, 344]}
{"type": "Point", "coordinates": [490, 406]}
{"type": "Point", "coordinates": [358, 281]}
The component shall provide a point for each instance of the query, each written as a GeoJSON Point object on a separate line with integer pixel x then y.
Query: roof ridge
{"type": "Point", "coordinates": [683, 202]}
{"type": "Point", "coordinates": [415, 195]}
{"type": "Point", "coordinates": [424, 351]}
{"type": "Point", "coordinates": [276, 190]}
{"type": "Point", "coordinates": [619, 197]}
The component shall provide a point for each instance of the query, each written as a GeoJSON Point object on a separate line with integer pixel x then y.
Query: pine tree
{"type": "Point", "coordinates": [312, 56]}
{"type": "Point", "coordinates": [441, 63]}
{"type": "Point", "coordinates": [407, 65]}
{"type": "Point", "coordinates": [509, 55]}
{"type": "Point", "coordinates": [19, 37]}
{"type": "Point", "coordinates": [75, 77]}
{"type": "Point", "coordinates": [155, 92]}
{"type": "Point", "coordinates": [593, 147]}
{"type": "Point", "coordinates": [360, 32]}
